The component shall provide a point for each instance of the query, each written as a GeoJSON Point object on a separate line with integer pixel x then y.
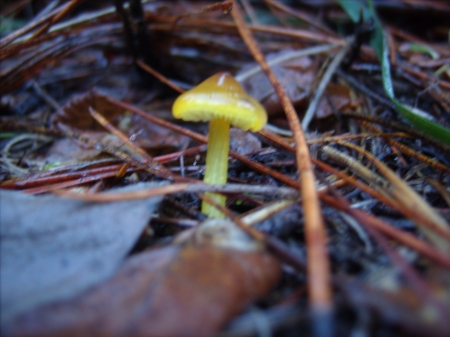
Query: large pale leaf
{"type": "Point", "coordinates": [53, 248]}
{"type": "Point", "coordinates": [188, 289]}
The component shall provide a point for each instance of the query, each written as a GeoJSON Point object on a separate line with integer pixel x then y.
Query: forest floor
{"type": "Point", "coordinates": [337, 212]}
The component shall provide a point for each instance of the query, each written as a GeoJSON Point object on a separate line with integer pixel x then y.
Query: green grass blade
{"type": "Point", "coordinates": [379, 44]}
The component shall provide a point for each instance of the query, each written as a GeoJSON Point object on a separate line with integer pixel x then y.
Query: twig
{"type": "Point", "coordinates": [54, 19]}
{"type": "Point", "coordinates": [88, 177]}
{"type": "Point", "coordinates": [182, 187]}
{"type": "Point", "coordinates": [159, 76]}
{"type": "Point", "coordinates": [286, 57]}
{"type": "Point", "coordinates": [250, 12]}
{"type": "Point", "coordinates": [266, 211]}
{"type": "Point", "coordinates": [319, 278]}
{"type": "Point", "coordinates": [32, 25]}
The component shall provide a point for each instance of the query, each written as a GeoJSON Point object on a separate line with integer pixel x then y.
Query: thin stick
{"type": "Point", "coordinates": [57, 17]}
{"type": "Point", "coordinates": [318, 269]}
{"type": "Point", "coordinates": [159, 76]}
{"type": "Point", "coordinates": [284, 192]}
{"type": "Point", "coordinates": [32, 25]}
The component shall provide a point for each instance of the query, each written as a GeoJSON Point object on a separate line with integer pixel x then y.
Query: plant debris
{"type": "Point", "coordinates": [337, 211]}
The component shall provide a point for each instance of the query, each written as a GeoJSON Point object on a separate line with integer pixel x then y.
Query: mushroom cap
{"type": "Point", "coordinates": [222, 97]}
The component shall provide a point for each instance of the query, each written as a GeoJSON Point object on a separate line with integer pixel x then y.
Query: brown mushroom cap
{"type": "Point", "coordinates": [221, 97]}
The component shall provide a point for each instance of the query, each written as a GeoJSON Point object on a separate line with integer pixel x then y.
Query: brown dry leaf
{"type": "Point", "coordinates": [53, 248]}
{"type": "Point", "coordinates": [339, 95]}
{"type": "Point", "coordinates": [243, 142]}
{"type": "Point", "coordinates": [75, 113]}
{"type": "Point", "coordinates": [154, 138]}
{"type": "Point", "coordinates": [296, 76]}
{"type": "Point", "coordinates": [65, 150]}
{"type": "Point", "coordinates": [191, 288]}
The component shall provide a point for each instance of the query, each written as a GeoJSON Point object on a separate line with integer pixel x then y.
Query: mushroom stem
{"type": "Point", "coordinates": [216, 163]}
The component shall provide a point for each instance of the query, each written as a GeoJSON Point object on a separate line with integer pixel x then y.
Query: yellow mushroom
{"type": "Point", "coordinates": [222, 101]}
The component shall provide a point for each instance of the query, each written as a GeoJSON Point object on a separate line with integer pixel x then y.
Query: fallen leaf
{"type": "Point", "coordinates": [243, 142]}
{"type": "Point", "coordinates": [295, 75]}
{"type": "Point", "coordinates": [339, 96]}
{"type": "Point", "coordinates": [75, 113]}
{"type": "Point", "coordinates": [53, 248]}
{"type": "Point", "coordinates": [66, 150]}
{"type": "Point", "coordinates": [75, 116]}
{"type": "Point", "coordinates": [192, 288]}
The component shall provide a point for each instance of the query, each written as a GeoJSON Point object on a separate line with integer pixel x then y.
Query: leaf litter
{"type": "Point", "coordinates": [176, 296]}
{"type": "Point", "coordinates": [56, 76]}
{"type": "Point", "coordinates": [54, 248]}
